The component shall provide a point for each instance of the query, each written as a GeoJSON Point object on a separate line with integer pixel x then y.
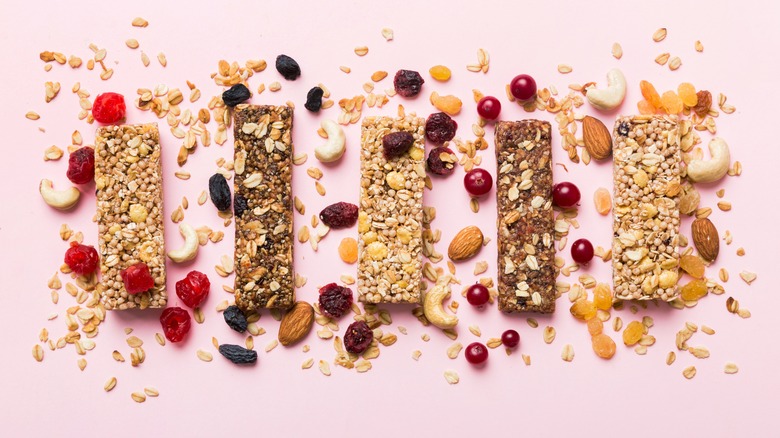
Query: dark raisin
{"type": "Point", "coordinates": [440, 128]}
{"type": "Point", "coordinates": [314, 99]}
{"type": "Point", "coordinates": [235, 95]}
{"type": "Point", "coordinates": [220, 192]}
{"type": "Point", "coordinates": [287, 67]}
{"type": "Point", "coordinates": [408, 83]}
{"type": "Point", "coordinates": [335, 300]}
{"type": "Point", "coordinates": [339, 215]}
{"type": "Point", "coordinates": [238, 354]}
{"type": "Point", "coordinates": [396, 144]}
{"type": "Point", "coordinates": [623, 128]}
{"type": "Point", "coordinates": [358, 337]}
{"type": "Point", "coordinates": [441, 161]}
{"type": "Point", "coordinates": [239, 205]}
{"type": "Point", "coordinates": [235, 318]}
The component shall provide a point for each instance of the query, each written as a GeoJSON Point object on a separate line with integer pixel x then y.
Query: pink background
{"type": "Point", "coordinates": [631, 394]}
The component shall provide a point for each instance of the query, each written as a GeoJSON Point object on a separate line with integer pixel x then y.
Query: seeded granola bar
{"type": "Point", "coordinates": [526, 225]}
{"type": "Point", "coordinates": [646, 208]}
{"type": "Point", "coordinates": [128, 179]}
{"type": "Point", "coordinates": [391, 213]}
{"type": "Point", "coordinates": [263, 207]}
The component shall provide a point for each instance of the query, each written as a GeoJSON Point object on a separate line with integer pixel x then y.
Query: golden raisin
{"type": "Point", "coordinates": [694, 290]}
{"type": "Point", "coordinates": [672, 102]}
{"type": "Point", "coordinates": [687, 93]}
{"type": "Point", "coordinates": [595, 326]}
{"type": "Point", "coordinates": [633, 333]}
{"type": "Point", "coordinates": [583, 309]}
{"type": "Point", "coordinates": [645, 108]}
{"type": "Point", "coordinates": [440, 73]}
{"type": "Point", "coordinates": [602, 296]}
{"type": "Point", "coordinates": [348, 250]}
{"type": "Point", "coordinates": [692, 265]}
{"type": "Point", "coordinates": [603, 346]}
{"type": "Point", "coordinates": [649, 93]}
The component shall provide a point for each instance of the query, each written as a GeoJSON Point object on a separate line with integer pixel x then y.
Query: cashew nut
{"type": "Point", "coordinates": [705, 171]}
{"type": "Point", "coordinates": [190, 248]}
{"type": "Point", "coordinates": [59, 199]}
{"type": "Point", "coordinates": [433, 308]}
{"type": "Point", "coordinates": [611, 97]}
{"type": "Point", "coordinates": [334, 148]}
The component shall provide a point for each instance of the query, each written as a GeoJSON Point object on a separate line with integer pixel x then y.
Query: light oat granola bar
{"type": "Point", "coordinates": [526, 225]}
{"type": "Point", "coordinates": [263, 207]}
{"type": "Point", "coordinates": [128, 179]}
{"type": "Point", "coordinates": [646, 209]}
{"type": "Point", "coordinates": [390, 217]}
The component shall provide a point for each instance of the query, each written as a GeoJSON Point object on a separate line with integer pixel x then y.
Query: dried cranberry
{"type": "Point", "coordinates": [137, 278]}
{"type": "Point", "coordinates": [314, 99]}
{"type": "Point", "coordinates": [239, 205]}
{"type": "Point", "coordinates": [396, 144]}
{"type": "Point", "coordinates": [408, 83]}
{"type": "Point", "coordinates": [81, 165]}
{"type": "Point", "coordinates": [287, 67]}
{"type": "Point", "coordinates": [175, 323]}
{"type": "Point", "coordinates": [193, 289]}
{"type": "Point", "coordinates": [339, 215]}
{"type": "Point", "coordinates": [81, 259]}
{"type": "Point", "coordinates": [439, 127]}
{"type": "Point", "coordinates": [236, 94]}
{"type": "Point", "coordinates": [358, 337]}
{"type": "Point", "coordinates": [219, 191]}
{"type": "Point", "coordinates": [440, 161]}
{"type": "Point", "coordinates": [335, 300]}
{"type": "Point", "coordinates": [109, 108]}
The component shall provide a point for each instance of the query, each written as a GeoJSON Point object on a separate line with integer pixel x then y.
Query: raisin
{"type": "Point", "coordinates": [235, 319]}
{"type": "Point", "coordinates": [633, 333]}
{"type": "Point", "coordinates": [408, 83]}
{"type": "Point", "coordinates": [81, 259]}
{"type": "Point", "coordinates": [692, 265]}
{"type": "Point", "coordinates": [238, 354]}
{"type": "Point", "coordinates": [441, 161]}
{"type": "Point", "coordinates": [137, 278]}
{"type": "Point", "coordinates": [176, 323]}
{"type": "Point", "coordinates": [239, 205]}
{"type": "Point", "coordinates": [602, 296]}
{"type": "Point", "coordinates": [220, 192]}
{"type": "Point", "coordinates": [314, 99]}
{"type": "Point", "coordinates": [335, 300]}
{"type": "Point", "coordinates": [287, 67]}
{"type": "Point", "coordinates": [109, 108]}
{"type": "Point", "coordinates": [650, 94]}
{"type": "Point", "coordinates": [339, 215]}
{"type": "Point", "coordinates": [396, 144]}
{"type": "Point", "coordinates": [703, 103]}
{"type": "Point", "coordinates": [358, 337]}
{"type": "Point", "coordinates": [439, 127]}
{"type": "Point", "coordinates": [623, 128]}
{"type": "Point", "coordinates": [603, 346]}
{"type": "Point", "coordinates": [81, 165]}
{"type": "Point", "coordinates": [583, 309]}
{"type": "Point", "coordinates": [687, 93]}
{"type": "Point", "coordinates": [235, 95]}
{"type": "Point", "coordinates": [595, 326]}
{"type": "Point", "coordinates": [348, 250]}
{"type": "Point", "coordinates": [694, 290]}
{"type": "Point", "coordinates": [671, 102]}
{"type": "Point", "coordinates": [193, 289]}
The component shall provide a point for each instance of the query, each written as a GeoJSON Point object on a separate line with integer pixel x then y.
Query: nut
{"type": "Point", "coordinates": [334, 148]}
{"type": "Point", "coordinates": [597, 138]}
{"type": "Point", "coordinates": [466, 244]}
{"type": "Point", "coordinates": [59, 199]}
{"type": "Point", "coordinates": [611, 97]}
{"type": "Point", "coordinates": [296, 323]}
{"type": "Point", "coordinates": [706, 171]}
{"type": "Point", "coordinates": [190, 248]}
{"type": "Point", "coordinates": [433, 307]}
{"type": "Point", "coordinates": [705, 238]}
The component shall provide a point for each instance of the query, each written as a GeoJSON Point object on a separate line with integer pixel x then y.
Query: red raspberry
{"type": "Point", "coordinates": [175, 323]}
{"type": "Point", "coordinates": [193, 289]}
{"type": "Point", "coordinates": [137, 278]}
{"type": "Point", "coordinates": [81, 259]}
{"type": "Point", "coordinates": [81, 165]}
{"type": "Point", "coordinates": [109, 108]}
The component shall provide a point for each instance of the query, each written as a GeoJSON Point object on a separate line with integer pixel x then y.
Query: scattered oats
{"type": "Point", "coordinates": [698, 46]}
{"type": "Point", "coordinates": [271, 345]}
{"type": "Point", "coordinates": [32, 115]}
{"type": "Point", "coordinates": [549, 334]}
{"type": "Point", "coordinates": [345, 69]}
{"type": "Point", "coordinates": [132, 43]}
{"type": "Point", "coordinates": [699, 352]}
{"type": "Point", "coordinates": [451, 377]}
{"type": "Point", "coordinates": [182, 174]}
{"type": "Point", "coordinates": [160, 339]}
{"type": "Point", "coordinates": [527, 359]}
{"type": "Point", "coordinates": [659, 34]}
{"type": "Point", "coordinates": [324, 367]}
{"type": "Point", "coordinates": [387, 34]}
{"type": "Point", "coordinates": [617, 50]}
{"type": "Point", "coordinates": [138, 397]}
{"type": "Point", "coordinates": [474, 329]}
{"type": "Point", "coordinates": [474, 205]}
{"type": "Point", "coordinates": [662, 59]}
{"type": "Point", "coordinates": [82, 363]}
{"type": "Point", "coordinates": [140, 22]}
{"type": "Point", "coordinates": [134, 342]}
{"type": "Point", "coordinates": [568, 353]}
{"type": "Point", "coordinates": [493, 342]}
{"type": "Point", "coordinates": [320, 188]}
{"type": "Point", "coordinates": [307, 364]}
{"type": "Point", "coordinates": [743, 313]}
{"type": "Point", "coordinates": [564, 68]}
{"type": "Point", "coordinates": [416, 354]}
{"type": "Point", "coordinates": [689, 372]}
{"type": "Point", "coordinates": [532, 322]}
{"type": "Point", "coordinates": [163, 60]}
{"type": "Point", "coordinates": [37, 352]}
{"type": "Point", "coordinates": [205, 356]}
{"type": "Point", "coordinates": [730, 368]}
{"type": "Point", "coordinates": [378, 75]}
{"type": "Point", "coordinates": [151, 392]}
{"type": "Point", "coordinates": [198, 316]}
{"type": "Point", "coordinates": [675, 63]}
{"type": "Point", "coordinates": [708, 330]}
{"type": "Point", "coordinates": [275, 86]}
{"type": "Point", "coordinates": [110, 384]}
{"type": "Point", "coordinates": [361, 51]}
{"type": "Point", "coordinates": [670, 358]}
{"type": "Point", "coordinates": [617, 324]}
{"type": "Point", "coordinates": [748, 277]}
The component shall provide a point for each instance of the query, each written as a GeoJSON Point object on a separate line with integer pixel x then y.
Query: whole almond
{"type": "Point", "coordinates": [466, 244]}
{"type": "Point", "coordinates": [598, 140]}
{"type": "Point", "coordinates": [705, 238]}
{"type": "Point", "coordinates": [296, 323]}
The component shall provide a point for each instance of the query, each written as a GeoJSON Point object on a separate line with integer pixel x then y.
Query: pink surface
{"type": "Point", "coordinates": [631, 394]}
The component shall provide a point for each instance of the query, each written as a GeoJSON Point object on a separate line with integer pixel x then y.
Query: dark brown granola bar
{"type": "Point", "coordinates": [263, 207]}
{"type": "Point", "coordinates": [526, 225]}
{"type": "Point", "coordinates": [128, 179]}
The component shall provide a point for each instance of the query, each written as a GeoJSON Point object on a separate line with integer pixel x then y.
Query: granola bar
{"type": "Point", "coordinates": [128, 179]}
{"type": "Point", "coordinates": [646, 208]}
{"type": "Point", "coordinates": [526, 225]}
{"type": "Point", "coordinates": [263, 207]}
{"type": "Point", "coordinates": [391, 213]}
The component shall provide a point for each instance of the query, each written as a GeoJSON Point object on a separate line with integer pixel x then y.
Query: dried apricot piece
{"type": "Point", "coordinates": [440, 73]}
{"type": "Point", "coordinates": [694, 290]}
{"type": "Point", "coordinates": [603, 346]}
{"type": "Point", "coordinates": [692, 265]}
{"type": "Point", "coordinates": [348, 250]}
{"type": "Point", "coordinates": [602, 296]}
{"type": "Point", "coordinates": [645, 108]}
{"type": "Point", "coordinates": [650, 94]}
{"type": "Point", "coordinates": [448, 104]}
{"type": "Point", "coordinates": [595, 326]}
{"type": "Point", "coordinates": [583, 309]}
{"type": "Point", "coordinates": [603, 200]}
{"type": "Point", "coordinates": [687, 93]}
{"type": "Point", "coordinates": [633, 333]}
{"type": "Point", "coordinates": [671, 102]}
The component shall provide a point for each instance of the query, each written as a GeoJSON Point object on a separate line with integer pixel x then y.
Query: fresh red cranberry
{"type": "Point", "coordinates": [523, 87]}
{"type": "Point", "coordinates": [477, 295]}
{"type": "Point", "coordinates": [582, 251]}
{"type": "Point", "coordinates": [81, 259]}
{"type": "Point", "coordinates": [176, 323]}
{"type": "Point", "coordinates": [510, 338]}
{"type": "Point", "coordinates": [137, 278]}
{"type": "Point", "coordinates": [476, 353]}
{"type": "Point", "coordinates": [489, 108]}
{"type": "Point", "coordinates": [81, 165]}
{"type": "Point", "coordinates": [193, 289]}
{"type": "Point", "coordinates": [565, 195]}
{"type": "Point", "coordinates": [109, 108]}
{"type": "Point", "coordinates": [478, 182]}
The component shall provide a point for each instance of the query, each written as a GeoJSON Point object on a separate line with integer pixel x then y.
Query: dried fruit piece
{"type": "Point", "coordinates": [583, 310]}
{"type": "Point", "coordinates": [314, 99]}
{"type": "Point", "coordinates": [81, 166]}
{"type": "Point", "coordinates": [602, 198]}
{"type": "Point", "coordinates": [692, 265]}
{"type": "Point", "coordinates": [358, 337]}
{"type": "Point", "coordinates": [650, 94]}
{"type": "Point", "coordinates": [137, 278]}
{"type": "Point", "coordinates": [408, 83]}
{"type": "Point", "coordinates": [703, 103]}
{"type": "Point", "coordinates": [595, 326]}
{"type": "Point", "coordinates": [449, 104]}
{"type": "Point", "coordinates": [109, 108]}
{"type": "Point", "coordinates": [633, 333]}
{"type": "Point", "coordinates": [335, 300]}
{"type": "Point", "coordinates": [441, 161]}
{"type": "Point", "coordinates": [236, 94]}
{"type": "Point", "coordinates": [238, 354]}
{"type": "Point", "coordinates": [81, 259]}
{"type": "Point", "coordinates": [603, 346]}
{"type": "Point", "coordinates": [396, 144]}
{"type": "Point", "coordinates": [235, 319]}
{"type": "Point", "coordinates": [287, 67]}
{"type": "Point", "coordinates": [439, 127]}
{"type": "Point", "coordinates": [239, 205]}
{"type": "Point", "coordinates": [440, 73]}
{"type": "Point", "coordinates": [602, 296]}
{"type": "Point", "coordinates": [176, 323]}
{"type": "Point", "coordinates": [687, 93]}
{"type": "Point", "coordinates": [219, 192]}
{"type": "Point", "coordinates": [694, 290]}
{"type": "Point", "coordinates": [671, 102]}
{"type": "Point", "coordinates": [193, 289]}
{"type": "Point", "coordinates": [645, 108]}
{"type": "Point", "coordinates": [339, 215]}
{"type": "Point", "coordinates": [348, 250]}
